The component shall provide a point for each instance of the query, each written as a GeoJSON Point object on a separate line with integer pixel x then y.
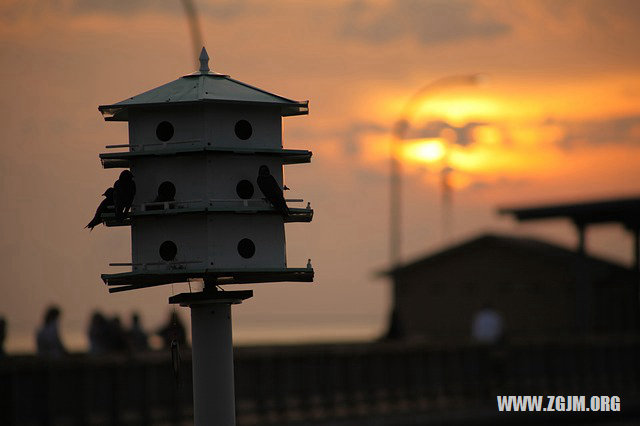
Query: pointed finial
{"type": "Point", "coordinates": [204, 61]}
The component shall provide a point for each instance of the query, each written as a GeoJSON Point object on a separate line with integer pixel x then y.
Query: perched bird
{"type": "Point", "coordinates": [271, 190]}
{"type": "Point", "coordinates": [102, 208]}
{"type": "Point", "coordinates": [124, 189]}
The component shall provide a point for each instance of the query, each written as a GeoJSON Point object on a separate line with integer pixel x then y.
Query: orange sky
{"type": "Point", "coordinates": [557, 117]}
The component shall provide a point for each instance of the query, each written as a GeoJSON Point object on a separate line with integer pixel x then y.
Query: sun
{"type": "Point", "coordinates": [424, 150]}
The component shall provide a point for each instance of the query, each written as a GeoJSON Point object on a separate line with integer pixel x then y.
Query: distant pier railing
{"type": "Point", "coordinates": [393, 383]}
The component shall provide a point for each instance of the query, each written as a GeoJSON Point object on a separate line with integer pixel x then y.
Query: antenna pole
{"type": "Point", "coordinates": [194, 27]}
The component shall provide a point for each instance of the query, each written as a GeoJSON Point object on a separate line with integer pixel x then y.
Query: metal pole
{"type": "Point", "coordinates": [212, 357]}
{"type": "Point", "coordinates": [395, 199]}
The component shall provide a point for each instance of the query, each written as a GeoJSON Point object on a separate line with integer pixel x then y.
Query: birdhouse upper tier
{"type": "Point", "coordinates": [207, 107]}
{"type": "Point", "coordinates": [206, 154]}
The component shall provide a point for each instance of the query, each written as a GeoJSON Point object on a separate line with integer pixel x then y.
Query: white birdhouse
{"type": "Point", "coordinates": [196, 146]}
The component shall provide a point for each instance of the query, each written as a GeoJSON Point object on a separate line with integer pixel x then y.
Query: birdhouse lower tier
{"type": "Point", "coordinates": [228, 246]}
{"type": "Point", "coordinates": [208, 240]}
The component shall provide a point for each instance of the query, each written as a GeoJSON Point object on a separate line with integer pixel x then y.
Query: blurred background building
{"type": "Point", "coordinates": [542, 291]}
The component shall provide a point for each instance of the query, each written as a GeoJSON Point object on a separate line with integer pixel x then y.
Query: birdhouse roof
{"type": "Point", "coordinates": [202, 86]}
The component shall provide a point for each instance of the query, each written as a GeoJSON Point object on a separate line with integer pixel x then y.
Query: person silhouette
{"type": "Point", "coordinates": [48, 340]}
{"type": "Point", "coordinates": [98, 334]}
{"type": "Point", "coordinates": [3, 334]}
{"type": "Point", "coordinates": [138, 339]}
{"type": "Point", "coordinates": [487, 326]}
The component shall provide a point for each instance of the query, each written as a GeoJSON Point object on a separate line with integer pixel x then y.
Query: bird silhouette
{"type": "Point", "coordinates": [103, 207]}
{"type": "Point", "coordinates": [124, 189]}
{"type": "Point", "coordinates": [271, 190]}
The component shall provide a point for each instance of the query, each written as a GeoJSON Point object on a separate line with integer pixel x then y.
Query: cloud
{"type": "Point", "coordinates": [573, 134]}
{"type": "Point", "coordinates": [593, 12]}
{"type": "Point", "coordinates": [353, 134]}
{"type": "Point", "coordinates": [27, 9]}
{"type": "Point", "coordinates": [462, 135]}
{"type": "Point", "coordinates": [429, 22]}
{"type": "Point", "coordinates": [217, 9]}
{"type": "Point", "coordinates": [350, 136]}
{"type": "Point", "coordinates": [124, 7]}
{"type": "Point", "coordinates": [503, 182]}
{"type": "Point", "coordinates": [619, 130]}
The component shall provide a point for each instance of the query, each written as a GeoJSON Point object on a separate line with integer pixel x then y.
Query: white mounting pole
{"type": "Point", "coordinates": [212, 353]}
{"type": "Point", "coordinates": [212, 357]}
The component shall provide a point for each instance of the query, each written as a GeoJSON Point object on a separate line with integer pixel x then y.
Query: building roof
{"type": "Point", "coordinates": [622, 210]}
{"type": "Point", "coordinates": [526, 245]}
{"type": "Point", "coordinates": [203, 86]}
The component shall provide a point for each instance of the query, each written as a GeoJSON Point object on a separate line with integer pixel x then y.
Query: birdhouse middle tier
{"type": "Point", "coordinates": [202, 177]}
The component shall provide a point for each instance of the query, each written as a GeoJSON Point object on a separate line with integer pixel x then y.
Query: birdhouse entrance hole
{"type": "Point", "coordinates": [168, 250]}
{"type": "Point", "coordinates": [243, 130]}
{"type": "Point", "coordinates": [246, 248]}
{"type": "Point", "coordinates": [166, 191]}
{"type": "Point", "coordinates": [244, 189]}
{"type": "Point", "coordinates": [164, 131]}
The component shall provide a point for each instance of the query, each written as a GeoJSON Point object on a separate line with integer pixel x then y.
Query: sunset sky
{"type": "Point", "coordinates": [554, 116]}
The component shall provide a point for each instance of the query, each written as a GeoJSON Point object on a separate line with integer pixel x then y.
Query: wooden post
{"type": "Point", "coordinates": [636, 247]}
